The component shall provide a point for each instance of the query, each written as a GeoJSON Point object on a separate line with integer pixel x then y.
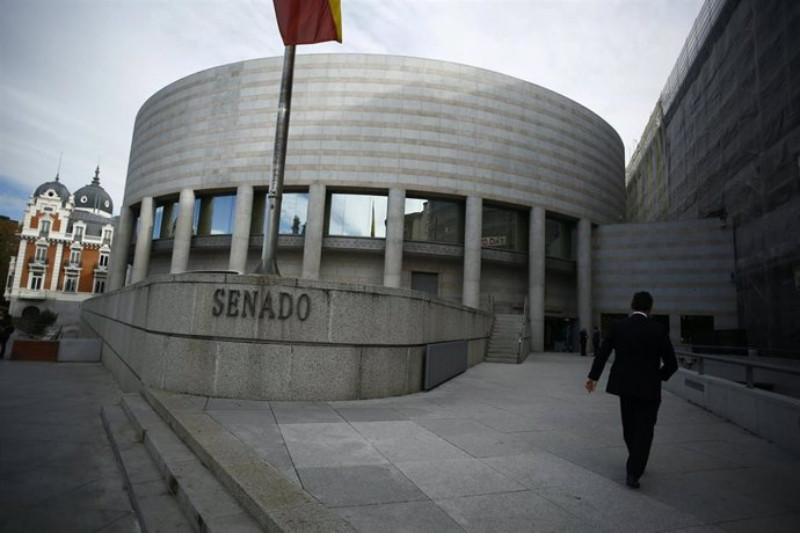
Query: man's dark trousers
{"type": "Point", "coordinates": [638, 424]}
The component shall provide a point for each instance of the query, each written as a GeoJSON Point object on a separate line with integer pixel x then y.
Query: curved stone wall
{"type": "Point", "coordinates": [252, 337]}
{"type": "Point", "coordinates": [371, 121]}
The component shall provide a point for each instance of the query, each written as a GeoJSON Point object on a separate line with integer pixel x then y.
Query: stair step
{"type": "Point", "coordinates": [501, 360]}
{"type": "Point", "coordinates": [156, 508]}
{"type": "Point", "coordinates": [277, 503]}
{"type": "Point", "coordinates": [205, 502]}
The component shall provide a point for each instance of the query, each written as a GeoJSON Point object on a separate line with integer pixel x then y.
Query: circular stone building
{"type": "Point", "coordinates": [401, 172]}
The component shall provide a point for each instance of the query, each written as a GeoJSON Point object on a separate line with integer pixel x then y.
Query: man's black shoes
{"type": "Point", "coordinates": [632, 482]}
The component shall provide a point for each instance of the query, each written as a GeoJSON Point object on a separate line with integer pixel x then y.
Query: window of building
{"type": "Point", "coordinates": [425, 282]}
{"type": "Point", "coordinates": [74, 256]}
{"type": "Point", "coordinates": [294, 213]}
{"type": "Point", "coordinates": [165, 218]}
{"type": "Point", "coordinates": [99, 286]}
{"type": "Point", "coordinates": [35, 282]}
{"type": "Point", "coordinates": [107, 236]}
{"type": "Point", "coordinates": [71, 283]}
{"type": "Point", "coordinates": [44, 227]}
{"type": "Point", "coordinates": [434, 220]}
{"type": "Point", "coordinates": [560, 239]}
{"type": "Point", "coordinates": [103, 261]}
{"type": "Point", "coordinates": [697, 329]}
{"type": "Point", "coordinates": [504, 228]}
{"type": "Point", "coordinates": [41, 253]}
{"type": "Point", "coordinates": [77, 233]}
{"type": "Point", "coordinates": [213, 215]}
{"type": "Point", "coordinates": [357, 215]}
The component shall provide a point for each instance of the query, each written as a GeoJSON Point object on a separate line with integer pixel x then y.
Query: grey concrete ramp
{"type": "Point", "coordinates": [498, 448]}
{"type": "Point", "coordinates": [511, 448]}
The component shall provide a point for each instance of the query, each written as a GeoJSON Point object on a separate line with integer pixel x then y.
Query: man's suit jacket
{"type": "Point", "coordinates": [643, 358]}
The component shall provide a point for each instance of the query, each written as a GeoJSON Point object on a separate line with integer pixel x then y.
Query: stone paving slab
{"type": "Point", "coordinates": [524, 448]}
{"type": "Point", "coordinates": [57, 468]}
{"type": "Point", "coordinates": [499, 448]}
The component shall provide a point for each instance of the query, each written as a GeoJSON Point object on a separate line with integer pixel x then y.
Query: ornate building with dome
{"type": "Point", "coordinates": [64, 249]}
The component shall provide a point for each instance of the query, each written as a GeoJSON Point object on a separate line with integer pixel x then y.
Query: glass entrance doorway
{"type": "Point", "coordinates": [560, 334]}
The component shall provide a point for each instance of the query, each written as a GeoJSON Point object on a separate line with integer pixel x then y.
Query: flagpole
{"type": "Point", "coordinates": [269, 264]}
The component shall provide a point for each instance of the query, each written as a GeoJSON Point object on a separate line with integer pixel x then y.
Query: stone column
{"type": "Point", "coordinates": [315, 222]}
{"type": "Point", "coordinates": [585, 275]}
{"type": "Point", "coordinates": [472, 252]}
{"type": "Point", "coordinates": [182, 240]}
{"type": "Point", "coordinates": [240, 240]}
{"type": "Point", "coordinates": [144, 239]}
{"type": "Point", "coordinates": [536, 277]}
{"type": "Point", "coordinates": [118, 266]}
{"type": "Point", "coordinates": [393, 259]}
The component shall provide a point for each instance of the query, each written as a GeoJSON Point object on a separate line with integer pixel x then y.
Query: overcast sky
{"type": "Point", "coordinates": [74, 73]}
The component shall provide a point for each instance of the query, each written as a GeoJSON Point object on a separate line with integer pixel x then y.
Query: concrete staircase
{"type": "Point", "coordinates": [186, 473]}
{"type": "Point", "coordinates": [504, 342]}
{"type": "Point", "coordinates": [171, 490]}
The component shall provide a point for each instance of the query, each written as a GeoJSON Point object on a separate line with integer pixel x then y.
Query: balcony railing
{"type": "Point", "coordinates": [32, 294]}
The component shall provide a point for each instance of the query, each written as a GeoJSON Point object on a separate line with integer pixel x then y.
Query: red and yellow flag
{"type": "Point", "coordinates": [309, 21]}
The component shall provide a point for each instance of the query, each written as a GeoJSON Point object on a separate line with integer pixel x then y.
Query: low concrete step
{"type": "Point", "coordinates": [503, 344]}
{"type": "Point", "coordinates": [156, 507]}
{"type": "Point", "coordinates": [270, 497]}
{"type": "Point", "coordinates": [502, 360]}
{"type": "Point", "coordinates": [206, 503]}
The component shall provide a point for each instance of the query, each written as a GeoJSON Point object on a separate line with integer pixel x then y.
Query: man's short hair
{"type": "Point", "coordinates": [642, 301]}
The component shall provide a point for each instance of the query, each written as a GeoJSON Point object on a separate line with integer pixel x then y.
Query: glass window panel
{"type": "Point", "coordinates": [357, 215]}
{"type": "Point", "coordinates": [434, 221]}
{"type": "Point", "coordinates": [560, 237]}
{"type": "Point", "coordinates": [158, 217]}
{"type": "Point", "coordinates": [164, 220]}
{"type": "Point", "coordinates": [294, 211]}
{"type": "Point", "coordinates": [224, 209]}
{"type": "Point", "coordinates": [213, 215]}
{"type": "Point", "coordinates": [506, 229]}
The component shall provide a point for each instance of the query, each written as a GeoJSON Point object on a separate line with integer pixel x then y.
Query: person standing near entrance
{"type": "Point", "coordinates": [6, 329]}
{"type": "Point", "coordinates": [644, 357]}
{"type": "Point", "coordinates": [584, 337]}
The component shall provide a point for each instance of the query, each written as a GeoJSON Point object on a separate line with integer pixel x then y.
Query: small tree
{"type": "Point", "coordinates": [35, 326]}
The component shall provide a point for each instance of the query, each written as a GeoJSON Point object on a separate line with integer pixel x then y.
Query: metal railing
{"type": "Point", "coordinates": [523, 346]}
{"type": "Point", "coordinates": [749, 362]}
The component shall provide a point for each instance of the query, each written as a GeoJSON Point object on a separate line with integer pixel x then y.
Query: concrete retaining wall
{"type": "Point", "coordinates": [686, 265]}
{"type": "Point", "coordinates": [768, 415]}
{"type": "Point", "coordinates": [275, 338]}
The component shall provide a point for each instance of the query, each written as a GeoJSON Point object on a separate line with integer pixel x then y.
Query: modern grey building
{"type": "Point", "coordinates": [723, 144]}
{"type": "Point", "coordinates": [402, 172]}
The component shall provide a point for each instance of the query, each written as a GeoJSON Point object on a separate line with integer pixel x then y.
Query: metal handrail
{"type": "Point", "coordinates": [522, 329]}
{"type": "Point", "coordinates": [750, 363]}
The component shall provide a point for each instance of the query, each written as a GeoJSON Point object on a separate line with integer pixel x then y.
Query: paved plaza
{"type": "Point", "coordinates": [499, 448]}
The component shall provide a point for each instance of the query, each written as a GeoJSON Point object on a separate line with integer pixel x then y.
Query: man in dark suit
{"type": "Point", "coordinates": [643, 358]}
